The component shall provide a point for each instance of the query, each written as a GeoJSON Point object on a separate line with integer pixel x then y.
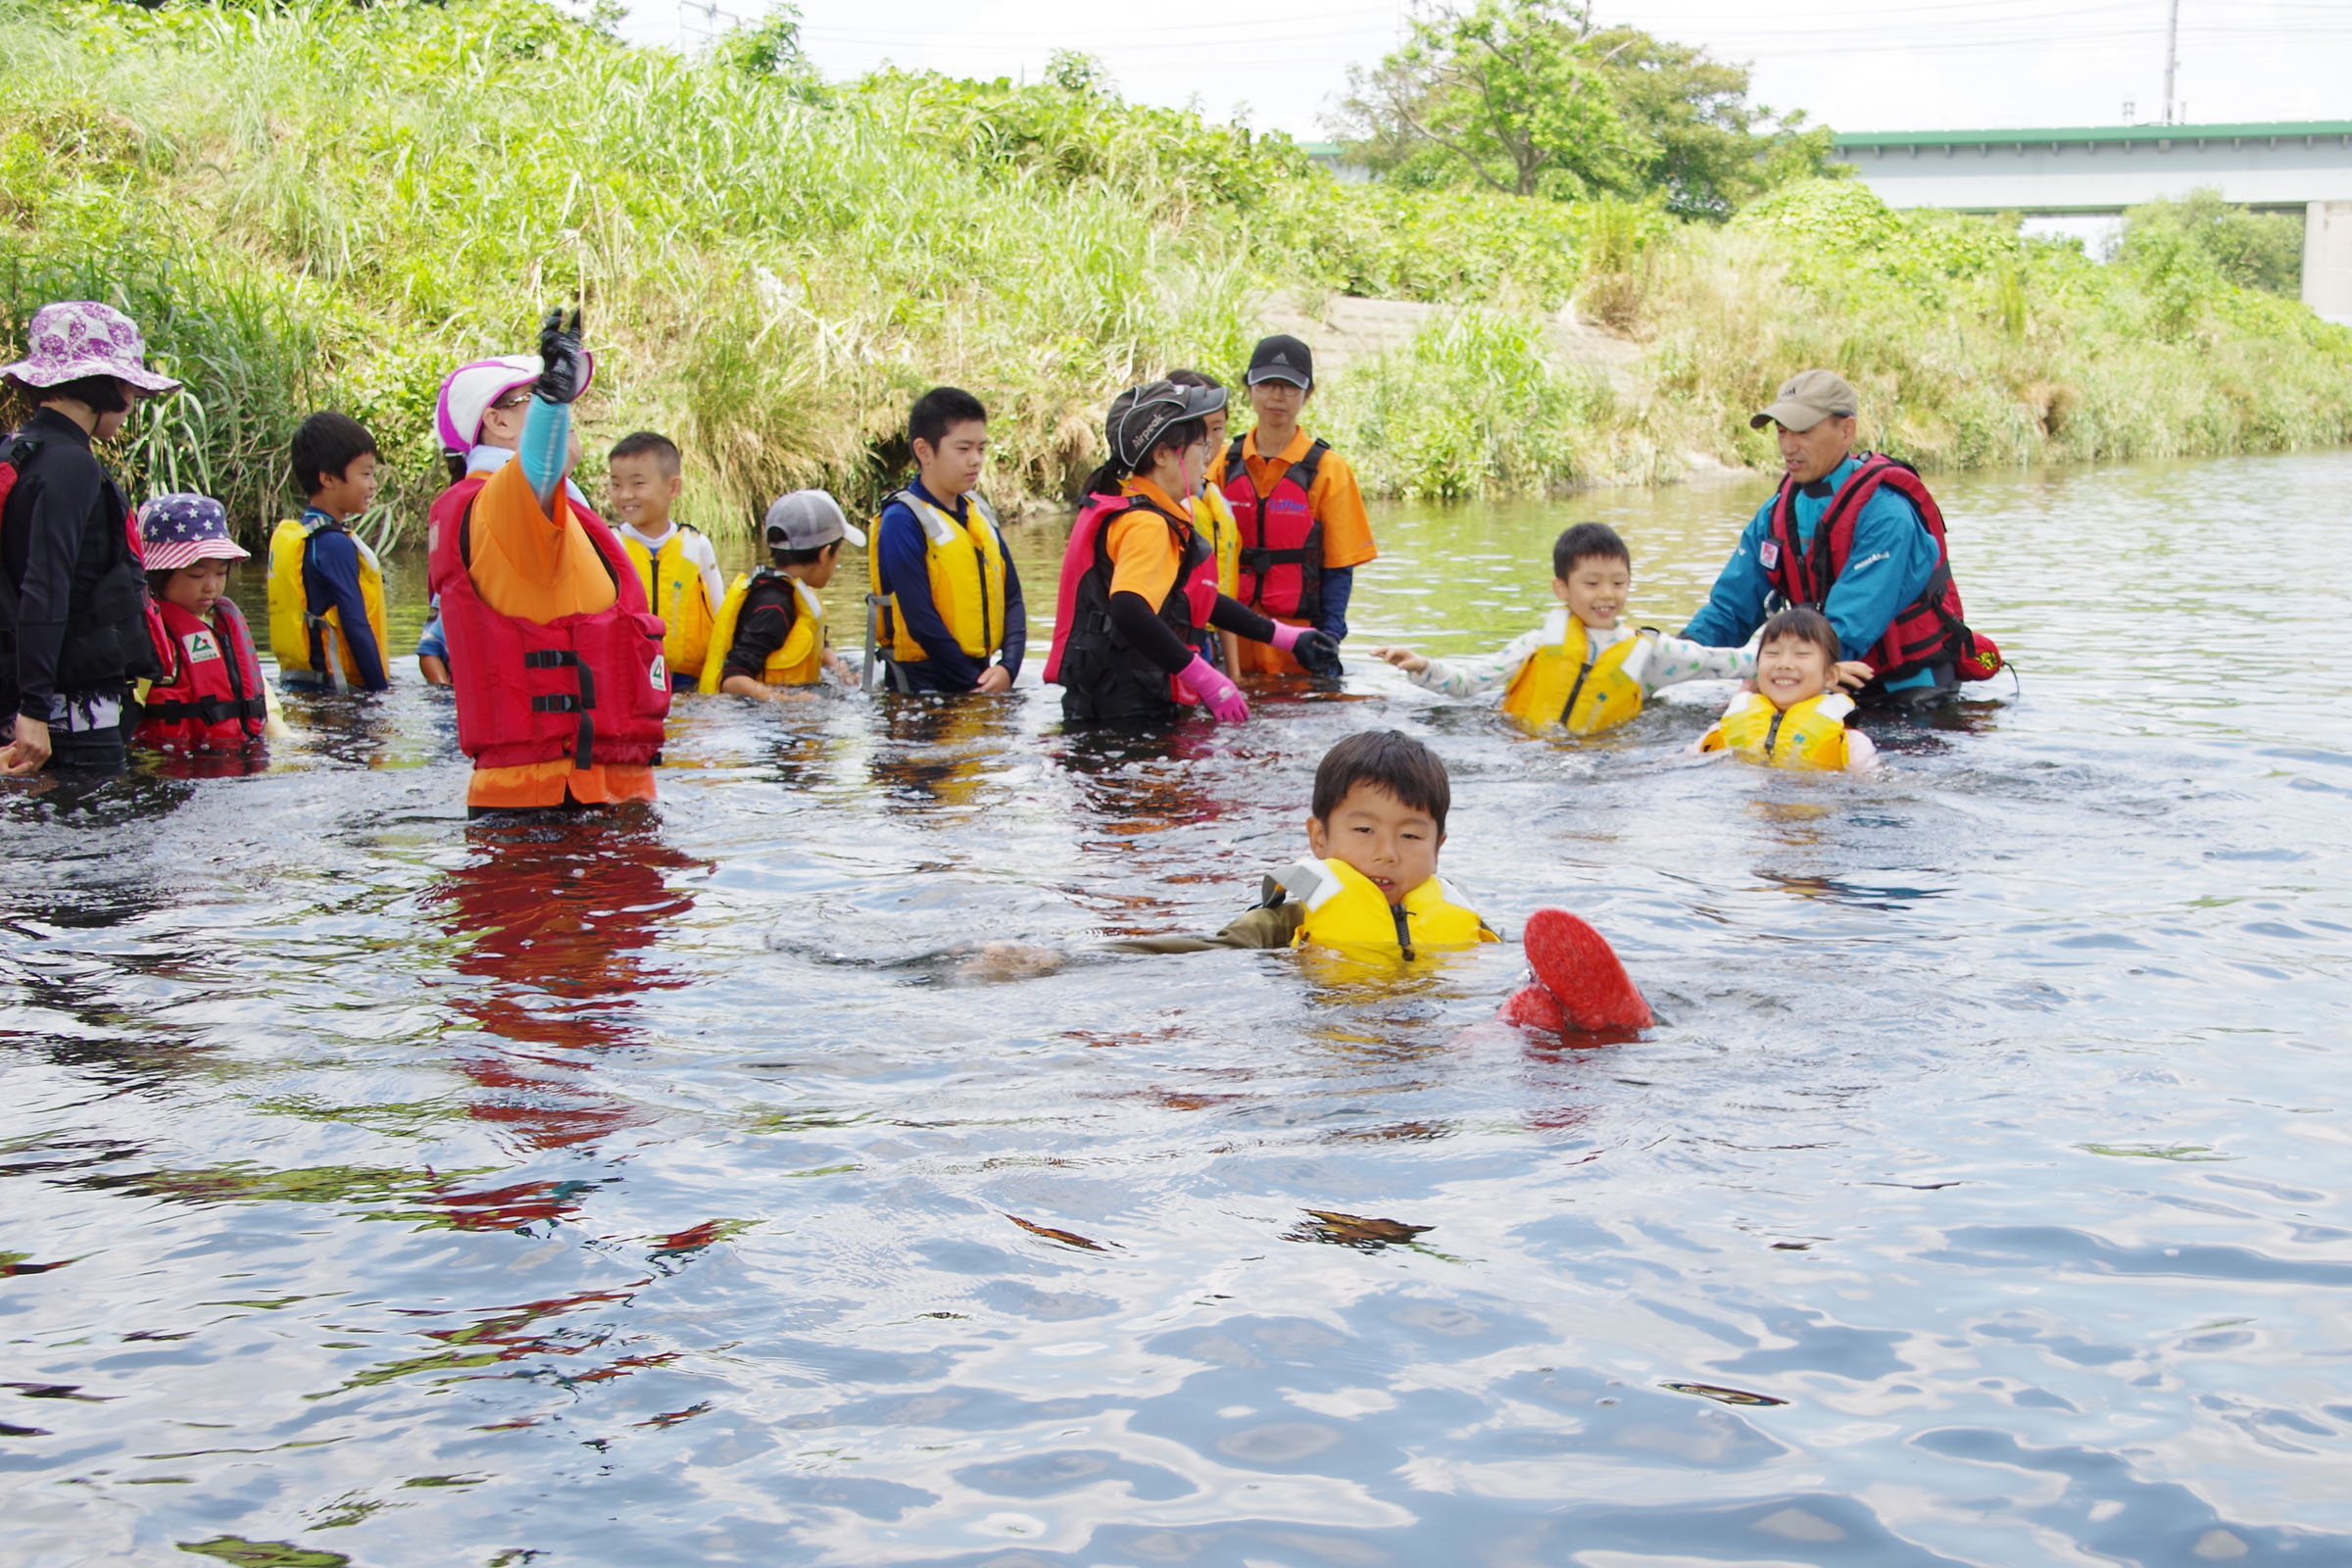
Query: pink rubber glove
{"type": "Point", "coordinates": [1224, 699]}
{"type": "Point", "coordinates": [1286, 635]}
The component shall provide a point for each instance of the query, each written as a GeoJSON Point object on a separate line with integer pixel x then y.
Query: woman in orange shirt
{"type": "Point", "coordinates": [1138, 583]}
{"type": "Point", "coordinates": [557, 662]}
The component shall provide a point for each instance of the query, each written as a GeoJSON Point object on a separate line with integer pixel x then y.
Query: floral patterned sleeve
{"type": "Point", "coordinates": [1466, 677]}
{"type": "Point", "coordinates": [1677, 659]}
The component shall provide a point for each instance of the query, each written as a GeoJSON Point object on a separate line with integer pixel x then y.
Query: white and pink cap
{"type": "Point", "coordinates": [468, 392]}
{"type": "Point", "coordinates": [77, 338]}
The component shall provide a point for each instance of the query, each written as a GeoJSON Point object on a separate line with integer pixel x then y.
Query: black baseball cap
{"type": "Point", "coordinates": [1281, 357]}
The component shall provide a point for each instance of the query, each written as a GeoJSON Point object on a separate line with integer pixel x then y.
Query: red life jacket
{"type": "Point", "coordinates": [210, 698]}
{"type": "Point", "coordinates": [1111, 678]}
{"type": "Point", "coordinates": [1932, 628]}
{"type": "Point", "coordinates": [591, 687]}
{"type": "Point", "coordinates": [1280, 561]}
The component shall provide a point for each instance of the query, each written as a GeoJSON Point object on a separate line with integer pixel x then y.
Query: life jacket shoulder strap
{"type": "Point", "coordinates": [1305, 470]}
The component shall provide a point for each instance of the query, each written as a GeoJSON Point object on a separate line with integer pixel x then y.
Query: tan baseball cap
{"type": "Point", "coordinates": [1806, 399]}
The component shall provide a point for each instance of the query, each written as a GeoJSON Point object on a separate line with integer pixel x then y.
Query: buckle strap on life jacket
{"type": "Point", "coordinates": [583, 745]}
{"type": "Point", "coordinates": [208, 710]}
{"type": "Point", "coordinates": [1772, 731]}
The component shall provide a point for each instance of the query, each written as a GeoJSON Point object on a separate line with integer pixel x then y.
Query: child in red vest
{"type": "Point", "coordinates": [210, 697]}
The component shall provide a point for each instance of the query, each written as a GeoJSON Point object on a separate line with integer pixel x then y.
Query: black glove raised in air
{"type": "Point", "coordinates": [563, 366]}
{"type": "Point", "coordinates": [1317, 654]}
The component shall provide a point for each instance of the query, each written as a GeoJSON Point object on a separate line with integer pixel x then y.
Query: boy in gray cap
{"type": "Point", "coordinates": [771, 623]}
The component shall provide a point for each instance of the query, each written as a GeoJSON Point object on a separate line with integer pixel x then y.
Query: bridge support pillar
{"type": "Point", "coordinates": [2328, 259]}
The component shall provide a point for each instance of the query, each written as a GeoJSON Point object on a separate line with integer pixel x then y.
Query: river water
{"type": "Point", "coordinates": [691, 1187]}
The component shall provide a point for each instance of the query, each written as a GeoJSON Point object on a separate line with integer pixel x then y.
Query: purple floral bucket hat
{"type": "Point", "coordinates": [81, 337]}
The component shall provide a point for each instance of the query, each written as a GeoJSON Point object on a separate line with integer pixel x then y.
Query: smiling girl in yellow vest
{"type": "Point", "coordinates": [1580, 670]}
{"type": "Point", "coordinates": [1793, 718]}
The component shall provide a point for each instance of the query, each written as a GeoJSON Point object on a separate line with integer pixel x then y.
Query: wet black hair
{"type": "Point", "coordinates": [1806, 625]}
{"type": "Point", "coordinates": [103, 394]}
{"type": "Point", "coordinates": [647, 444]}
{"type": "Point", "coordinates": [1389, 760]}
{"type": "Point", "coordinates": [327, 443]}
{"type": "Point", "coordinates": [939, 410]}
{"type": "Point", "coordinates": [1583, 542]}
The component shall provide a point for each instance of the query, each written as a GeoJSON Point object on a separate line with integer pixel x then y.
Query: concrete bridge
{"type": "Point", "coordinates": [2300, 166]}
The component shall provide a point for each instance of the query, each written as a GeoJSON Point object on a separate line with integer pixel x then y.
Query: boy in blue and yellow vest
{"type": "Point", "coordinates": [945, 607]}
{"type": "Point", "coordinates": [1370, 889]}
{"type": "Point", "coordinates": [770, 635]}
{"type": "Point", "coordinates": [675, 564]}
{"type": "Point", "coordinates": [1580, 670]}
{"type": "Point", "coordinates": [326, 589]}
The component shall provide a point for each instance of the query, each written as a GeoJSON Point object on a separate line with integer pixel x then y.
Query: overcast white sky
{"type": "Point", "coordinates": [1858, 64]}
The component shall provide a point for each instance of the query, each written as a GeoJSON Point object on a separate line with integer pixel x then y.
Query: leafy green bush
{"type": "Point", "coordinates": [2252, 250]}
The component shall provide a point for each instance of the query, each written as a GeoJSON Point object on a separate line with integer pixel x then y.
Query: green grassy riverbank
{"type": "Point", "coordinates": [322, 204]}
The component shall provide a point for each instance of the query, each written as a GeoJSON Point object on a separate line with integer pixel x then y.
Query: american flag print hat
{"type": "Point", "coordinates": [178, 531]}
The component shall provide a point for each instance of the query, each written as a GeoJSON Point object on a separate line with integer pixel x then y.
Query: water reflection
{"type": "Point", "coordinates": [694, 1187]}
{"type": "Point", "coordinates": [555, 914]}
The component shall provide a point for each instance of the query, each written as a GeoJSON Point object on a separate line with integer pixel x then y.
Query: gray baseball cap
{"type": "Point", "coordinates": [809, 520]}
{"type": "Point", "coordinates": [1806, 399]}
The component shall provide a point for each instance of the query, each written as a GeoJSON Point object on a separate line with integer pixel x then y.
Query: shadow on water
{"type": "Point", "coordinates": [790, 1173]}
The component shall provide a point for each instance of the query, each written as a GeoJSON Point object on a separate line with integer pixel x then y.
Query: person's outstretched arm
{"type": "Point", "coordinates": [1467, 677]}
{"type": "Point", "coordinates": [1675, 660]}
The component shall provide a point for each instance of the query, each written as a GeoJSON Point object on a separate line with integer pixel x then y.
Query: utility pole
{"type": "Point", "coordinates": [2171, 58]}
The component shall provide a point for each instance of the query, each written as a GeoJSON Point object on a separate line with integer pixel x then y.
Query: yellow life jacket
{"type": "Point", "coordinates": [675, 591]}
{"type": "Point", "coordinates": [801, 658]}
{"type": "Point", "coordinates": [967, 565]}
{"type": "Point", "coordinates": [1566, 683]}
{"type": "Point", "coordinates": [1345, 910]}
{"type": "Point", "coordinates": [1810, 734]}
{"type": "Point", "coordinates": [1213, 519]}
{"type": "Point", "coordinates": [292, 621]}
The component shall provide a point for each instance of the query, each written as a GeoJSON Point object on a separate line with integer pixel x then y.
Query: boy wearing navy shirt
{"type": "Point", "coordinates": [944, 591]}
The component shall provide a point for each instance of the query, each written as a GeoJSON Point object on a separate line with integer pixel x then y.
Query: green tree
{"type": "Point", "coordinates": [1511, 94]}
{"type": "Point", "coordinates": [1527, 96]}
{"type": "Point", "coordinates": [2253, 250]}
{"type": "Point", "coordinates": [1701, 144]}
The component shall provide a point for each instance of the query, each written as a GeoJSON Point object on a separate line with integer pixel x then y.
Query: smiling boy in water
{"type": "Point", "coordinates": [1580, 670]}
{"type": "Point", "coordinates": [1370, 888]}
{"type": "Point", "coordinates": [1794, 718]}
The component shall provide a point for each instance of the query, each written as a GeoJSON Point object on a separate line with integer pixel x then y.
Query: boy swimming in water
{"type": "Point", "coordinates": [1371, 887]}
{"type": "Point", "coordinates": [1795, 717]}
{"type": "Point", "coordinates": [1580, 670]}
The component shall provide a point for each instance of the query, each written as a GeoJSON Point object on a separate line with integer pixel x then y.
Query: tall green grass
{"type": "Point", "coordinates": [347, 200]}
{"type": "Point", "coordinates": [317, 204]}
